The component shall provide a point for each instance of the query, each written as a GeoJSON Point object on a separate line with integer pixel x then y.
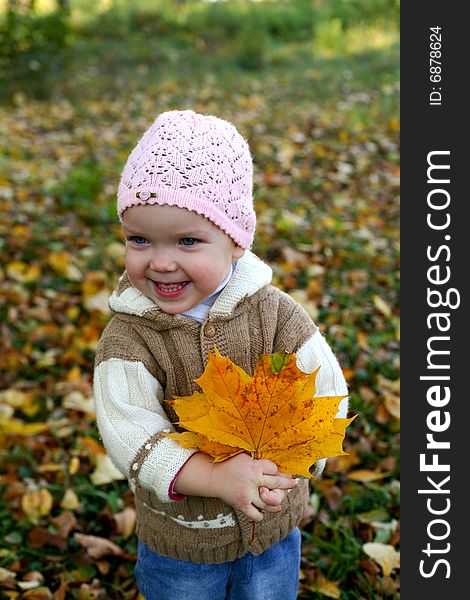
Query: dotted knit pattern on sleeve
{"type": "Point", "coordinates": [131, 419]}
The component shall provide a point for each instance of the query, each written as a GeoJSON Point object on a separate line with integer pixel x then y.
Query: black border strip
{"type": "Point", "coordinates": [434, 272]}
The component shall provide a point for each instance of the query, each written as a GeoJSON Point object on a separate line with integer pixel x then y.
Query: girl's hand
{"type": "Point", "coordinates": [272, 497]}
{"type": "Point", "coordinates": [239, 481]}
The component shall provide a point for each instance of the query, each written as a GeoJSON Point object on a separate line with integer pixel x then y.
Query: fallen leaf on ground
{"type": "Point", "coordinates": [105, 471]}
{"type": "Point", "coordinates": [65, 523]}
{"type": "Point", "coordinates": [384, 554]}
{"type": "Point", "coordinates": [381, 305]}
{"type": "Point", "coordinates": [37, 503]}
{"type": "Point", "coordinates": [39, 593]}
{"type": "Point", "coordinates": [6, 574]}
{"type": "Point", "coordinates": [70, 500]}
{"type": "Point", "coordinates": [97, 547]}
{"type": "Point", "coordinates": [125, 521]}
{"type": "Point", "coordinates": [365, 475]}
{"type": "Point", "coordinates": [328, 588]}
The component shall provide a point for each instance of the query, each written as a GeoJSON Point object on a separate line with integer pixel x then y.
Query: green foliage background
{"type": "Point", "coordinates": [314, 87]}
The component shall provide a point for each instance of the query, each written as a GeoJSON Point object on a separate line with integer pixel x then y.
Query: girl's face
{"type": "Point", "coordinates": [175, 256]}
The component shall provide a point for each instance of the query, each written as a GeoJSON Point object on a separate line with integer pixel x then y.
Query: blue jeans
{"type": "Point", "coordinates": [272, 575]}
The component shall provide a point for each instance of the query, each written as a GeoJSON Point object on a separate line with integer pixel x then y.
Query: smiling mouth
{"type": "Point", "coordinates": [170, 290]}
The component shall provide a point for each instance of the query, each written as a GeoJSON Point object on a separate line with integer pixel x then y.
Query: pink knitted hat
{"type": "Point", "coordinates": [193, 161]}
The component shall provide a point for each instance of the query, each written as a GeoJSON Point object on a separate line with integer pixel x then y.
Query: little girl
{"type": "Point", "coordinates": [191, 281]}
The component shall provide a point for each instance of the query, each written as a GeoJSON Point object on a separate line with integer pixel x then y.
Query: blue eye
{"type": "Point", "coordinates": [188, 241]}
{"type": "Point", "coordinates": [139, 240]}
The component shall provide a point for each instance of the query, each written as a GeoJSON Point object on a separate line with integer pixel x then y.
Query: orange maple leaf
{"type": "Point", "coordinates": [273, 415]}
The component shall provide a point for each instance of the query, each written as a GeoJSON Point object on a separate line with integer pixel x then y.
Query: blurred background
{"type": "Point", "coordinates": [314, 87]}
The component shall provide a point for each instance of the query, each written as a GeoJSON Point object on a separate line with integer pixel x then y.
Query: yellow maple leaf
{"type": "Point", "coordinates": [273, 415]}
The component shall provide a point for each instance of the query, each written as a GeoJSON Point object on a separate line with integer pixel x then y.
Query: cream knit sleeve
{"type": "Point", "coordinates": [316, 352]}
{"type": "Point", "coordinates": [131, 420]}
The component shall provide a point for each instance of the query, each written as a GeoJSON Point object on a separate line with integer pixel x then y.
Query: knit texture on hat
{"type": "Point", "coordinates": [193, 161]}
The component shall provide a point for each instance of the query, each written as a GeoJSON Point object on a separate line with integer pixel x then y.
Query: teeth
{"type": "Point", "coordinates": [171, 287]}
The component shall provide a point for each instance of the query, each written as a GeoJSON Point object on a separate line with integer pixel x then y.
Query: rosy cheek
{"type": "Point", "coordinates": [133, 265]}
{"type": "Point", "coordinates": [129, 263]}
{"type": "Point", "coordinates": [201, 272]}
{"type": "Point", "coordinates": [209, 273]}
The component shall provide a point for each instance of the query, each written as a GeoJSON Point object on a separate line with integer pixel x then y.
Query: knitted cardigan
{"type": "Point", "coordinates": [146, 356]}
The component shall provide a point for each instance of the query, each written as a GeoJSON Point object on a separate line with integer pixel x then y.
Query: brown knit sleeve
{"type": "Point", "coordinates": [120, 340]}
{"type": "Point", "coordinates": [294, 326]}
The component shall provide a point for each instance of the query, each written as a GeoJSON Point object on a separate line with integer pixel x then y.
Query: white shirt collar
{"type": "Point", "coordinates": [200, 311]}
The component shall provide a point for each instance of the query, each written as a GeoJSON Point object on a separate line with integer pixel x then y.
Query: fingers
{"type": "Point", "coordinates": [271, 498]}
{"type": "Point", "coordinates": [268, 467]}
{"type": "Point", "coordinates": [252, 512]}
{"type": "Point", "coordinates": [268, 500]}
{"type": "Point", "coordinates": [255, 510]}
{"type": "Point", "coordinates": [278, 481]}
{"type": "Point", "coordinates": [252, 485]}
{"type": "Point", "coordinates": [285, 475]}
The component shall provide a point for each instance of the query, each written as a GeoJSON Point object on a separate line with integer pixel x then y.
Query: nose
{"type": "Point", "coordinates": [162, 262]}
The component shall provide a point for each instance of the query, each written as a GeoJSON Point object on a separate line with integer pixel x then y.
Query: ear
{"type": "Point", "coordinates": [237, 252]}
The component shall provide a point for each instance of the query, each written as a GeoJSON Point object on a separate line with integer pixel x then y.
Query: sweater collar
{"type": "Point", "coordinates": [200, 311]}
{"type": "Point", "coordinates": [249, 276]}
